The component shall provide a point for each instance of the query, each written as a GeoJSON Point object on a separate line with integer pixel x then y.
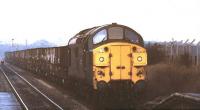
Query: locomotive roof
{"type": "Point", "coordinates": [93, 30]}
{"type": "Point", "coordinates": [90, 32]}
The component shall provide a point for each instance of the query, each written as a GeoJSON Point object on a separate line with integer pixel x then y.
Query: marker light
{"type": "Point", "coordinates": [101, 59]}
{"type": "Point", "coordinates": [139, 58]}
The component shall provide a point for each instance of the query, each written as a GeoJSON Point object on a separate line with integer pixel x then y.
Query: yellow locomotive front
{"type": "Point", "coordinates": [118, 56]}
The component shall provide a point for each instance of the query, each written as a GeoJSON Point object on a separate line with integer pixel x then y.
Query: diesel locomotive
{"type": "Point", "coordinates": [100, 57]}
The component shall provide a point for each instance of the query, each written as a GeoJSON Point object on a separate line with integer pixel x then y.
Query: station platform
{"type": "Point", "coordinates": [8, 101]}
{"type": "Point", "coordinates": [175, 101]}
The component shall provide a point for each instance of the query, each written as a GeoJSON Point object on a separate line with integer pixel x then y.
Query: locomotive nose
{"type": "Point", "coordinates": [119, 61]}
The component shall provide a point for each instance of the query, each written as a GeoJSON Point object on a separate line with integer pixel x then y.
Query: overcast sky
{"type": "Point", "coordinates": [58, 20]}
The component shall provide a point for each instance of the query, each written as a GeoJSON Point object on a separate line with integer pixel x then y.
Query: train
{"type": "Point", "coordinates": [100, 57]}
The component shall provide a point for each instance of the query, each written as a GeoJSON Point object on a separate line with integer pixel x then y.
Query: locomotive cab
{"type": "Point", "coordinates": [118, 56]}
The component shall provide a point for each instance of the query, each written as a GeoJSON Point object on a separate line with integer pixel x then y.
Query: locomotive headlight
{"type": "Point", "coordinates": [139, 58]}
{"type": "Point", "coordinates": [101, 59]}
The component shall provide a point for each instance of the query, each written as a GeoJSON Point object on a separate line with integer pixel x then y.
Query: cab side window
{"type": "Point", "coordinates": [100, 36]}
{"type": "Point", "coordinates": [133, 37]}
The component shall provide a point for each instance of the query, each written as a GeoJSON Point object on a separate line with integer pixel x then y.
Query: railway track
{"type": "Point", "coordinates": [28, 95]}
{"type": "Point", "coordinates": [8, 100]}
{"type": "Point", "coordinates": [94, 103]}
{"type": "Point", "coordinates": [23, 105]}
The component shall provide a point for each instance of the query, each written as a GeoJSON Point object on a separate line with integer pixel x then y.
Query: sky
{"type": "Point", "coordinates": [59, 20]}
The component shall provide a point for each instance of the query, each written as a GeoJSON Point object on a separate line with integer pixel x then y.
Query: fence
{"type": "Point", "coordinates": [176, 52]}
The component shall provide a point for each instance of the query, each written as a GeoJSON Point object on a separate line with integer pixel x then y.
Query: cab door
{"type": "Point", "coordinates": [120, 62]}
